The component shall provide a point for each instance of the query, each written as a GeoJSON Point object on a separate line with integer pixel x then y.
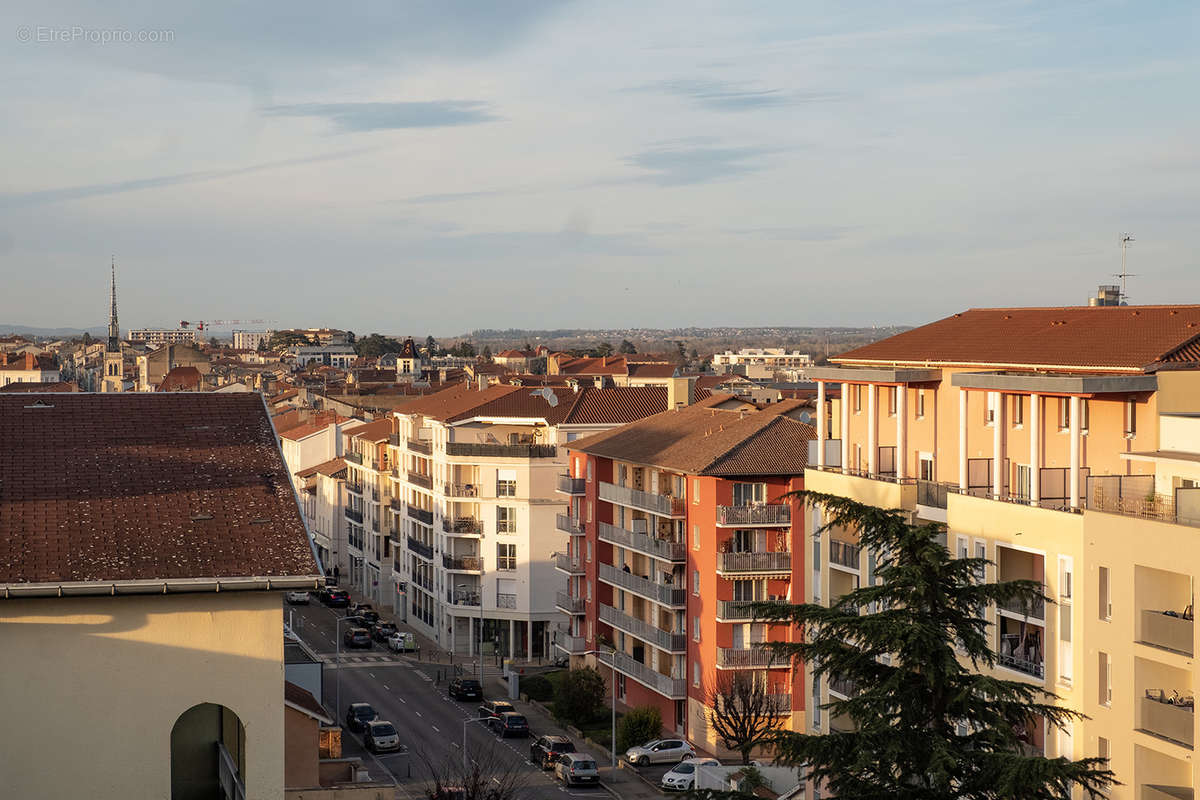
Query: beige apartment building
{"type": "Point", "coordinates": [1063, 444]}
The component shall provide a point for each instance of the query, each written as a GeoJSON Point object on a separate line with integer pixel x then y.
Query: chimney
{"type": "Point", "coordinates": [680, 392]}
{"type": "Point", "coordinates": [482, 382]}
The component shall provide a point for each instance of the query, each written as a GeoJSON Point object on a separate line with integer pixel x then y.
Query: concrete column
{"type": "Point", "coordinates": [845, 401]}
{"type": "Point", "coordinates": [1073, 489]}
{"type": "Point", "coordinates": [962, 439]}
{"type": "Point", "coordinates": [872, 429]}
{"type": "Point", "coordinates": [512, 638]}
{"type": "Point", "coordinates": [998, 442]}
{"type": "Point", "coordinates": [902, 432]}
{"type": "Point", "coordinates": [821, 432]}
{"type": "Point", "coordinates": [1035, 448]}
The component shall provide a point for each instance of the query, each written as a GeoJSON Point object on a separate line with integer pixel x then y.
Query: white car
{"type": "Point", "coordinates": [402, 642]}
{"type": "Point", "coordinates": [660, 751]}
{"type": "Point", "coordinates": [682, 777]}
{"type": "Point", "coordinates": [297, 598]}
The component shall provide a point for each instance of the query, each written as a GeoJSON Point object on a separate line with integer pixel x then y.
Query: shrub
{"type": "Point", "coordinates": [538, 687]}
{"type": "Point", "coordinates": [580, 696]}
{"type": "Point", "coordinates": [640, 725]}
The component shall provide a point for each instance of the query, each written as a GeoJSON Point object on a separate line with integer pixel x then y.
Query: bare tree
{"type": "Point", "coordinates": [486, 776]}
{"type": "Point", "coordinates": [743, 712]}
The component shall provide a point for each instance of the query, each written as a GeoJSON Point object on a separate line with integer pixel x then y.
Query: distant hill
{"type": "Point", "coordinates": [49, 333]}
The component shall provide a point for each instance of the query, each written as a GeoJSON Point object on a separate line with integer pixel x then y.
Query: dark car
{"type": "Point", "coordinates": [380, 631]}
{"type": "Point", "coordinates": [358, 715]}
{"type": "Point", "coordinates": [337, 598]}
{"type": "Point", "coordinates": [510, 723]}
{"type": "Point", "coordinates": [465, 689]}
{"type": "Point", "coordinates": [494, 708]}
{"type": "Point", "coordinates": [546, 750]}
{"type": "Point", "coordinates": [358, 608]}
{"type": "Point", "coordinates": [368, 616]}
{"type": "Point", "coordinates": [357, 637]}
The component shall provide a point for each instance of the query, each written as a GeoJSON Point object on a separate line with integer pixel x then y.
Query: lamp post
{"type": "Point", "coordinates": [612, 663]}
{"type": "Point", "coordinates": [337, 635]}
{"type": "Point", "coordinates": [462, 587]}
{"type": "Point", "coordinates": [467, 722]}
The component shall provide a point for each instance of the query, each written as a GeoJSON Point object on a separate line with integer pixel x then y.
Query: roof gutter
{"type": "Point", "coordinates": [16, 591]}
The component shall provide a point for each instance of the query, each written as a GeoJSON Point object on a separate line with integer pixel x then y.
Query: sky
{"type": "Point", "coordinates": [446, 165]}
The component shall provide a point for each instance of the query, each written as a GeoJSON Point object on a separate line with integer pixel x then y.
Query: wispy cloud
{"type": "Point", "coordinates": [732, 96]}
{"type": "Point", "coordinates": [360, 117]}
{"type": "Point", "coordinates": [818, 233]}
{"type": "Point", "coordinates": [682, 166]}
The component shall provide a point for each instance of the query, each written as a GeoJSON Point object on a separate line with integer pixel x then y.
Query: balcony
{"type": "Point", "coordinates": [734, 610]}
{"type": "Point", "coordinates": [771, 516]}
{"type": "Point", "coordinates": [664, 640]}
{"type": "Point", "coordinates": [674, 688]}
{"type": "Point", "coordinates": [574, 645]}
{"type": "Point", "coordinates": [569, 564]}
{"type": "Point", "coordinates": [568, 485]}
{"type": "Point", "coordinates": [508, 601]}
{"type": "Point", "coordinates": [1158, 791]}
{"type": "Point", "coordinates": [1167, 632]}
{"type": "Point", "coordinates": [354, 458]}
{"type": "Point", "coordinates": [844, 554]}
{"type": "Point", "coordinates": [1035, 609]}
{"type": "Point", "coordinates": [843, 687]}
{"type": "Point", "coordinates": [1022, 664]}
{"type": "Point", "coordinates": [462, 526]}
{"type": "Point", "coordinates": [1166, 720]}
{"type": "Point", "coordinates": [661, 504]}
{"type": "Point", "coordinates": [747, 658]}
{"type": "Point", "coordinates": [462, 563]}
{"type": "Point", "coordinates": [466, 599]}
{"type": "Point", "coordinates": [569, 604]}
{"type": "Point", "coordinates": [423, 550]}
{"type": "Point", "coordinates": [374, 495]}
{"type": "Point", "coordinates": [354, 488]}
{"type": "Point", "coordinates": [775, 561]}
{"type": "Point", "coordinates": [417, 446]}
{"type": "Point", "coordinates": [933, 493]}
{"type": "Point", "coordinates": [659, 593]}
{"type": "Point", "coordinates": [421, 515]}
{"type": "Point", "coordinates": [355, 516]}
{"type": "Point", "coordinates": [418, 479]}
{"type": "Point", "coordinates": [568, 524]}
{"type": "Point", "coordinates": [659, 548]}
{"type": "Point", "coordinates": [460, 490]}
{"type": "Point", "coordinates": [395, 505]}
{"type": "Point", "coordinates": [484, 450]}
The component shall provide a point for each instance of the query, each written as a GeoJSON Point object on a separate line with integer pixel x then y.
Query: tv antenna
{"type": "Point", "coordinates": [1126, 239]}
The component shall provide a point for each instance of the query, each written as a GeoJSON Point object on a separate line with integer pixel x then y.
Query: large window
{"type": "Point", "coordinates": [748, 494]}
{"type": "Point", "coordinates": [506, 556]}
{"type": "Point", "coordinates": [506, 483]}
{"type": "Point", "coordinates": [506, 519]}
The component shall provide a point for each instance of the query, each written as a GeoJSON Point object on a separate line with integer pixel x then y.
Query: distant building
{"type": "Point", "coordinates": [162, 335]}
{"type": "Point", "coordinates": [250, 340]}
{"type": "Point", "coordinates": [113, 365]}
{"type": "Point", "coordinates": [334, 355]}
{"type": "Point", "coordinates": [760, 362]}
{"type": "Point", "coordinates": [27, 368]}
{"type": "Point", "coordinates": [154, 365]}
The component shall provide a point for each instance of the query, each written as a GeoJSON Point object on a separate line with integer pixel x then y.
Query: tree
{"type": "Point", "coordinates": [627, 348]}
{"type": "Point", "coordinates": [281, 340]}
{"type": "Point", "coordinates": [485, 776]}
{"type": "Point", "coordinates": [925, 722]}
{"type": "Point", "coordinates": [376, 345]}
{"type": "Point", "coordinates": [580, 696]}
{"type": "Point", "coordinates": [743, 712]}
{"type": "Point", "coordinates": [602, 350]}
{"type": "Point", "coordinates": [87, 339]}
{"type": "Point", "coordinates": [431, 346]}
{"type": "Point", "coordinates": [351, 338]}
{"type": "Point", "coordinates": [487, 353]}
{"type": "Point", "coordinates": [262, 345]}
{"type": "Point", "coordinates": [638, 726]}
{"type": "Point", "coordinates": [680, 353]}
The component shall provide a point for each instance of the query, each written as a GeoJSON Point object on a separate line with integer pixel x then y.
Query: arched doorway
{"type": "Point", "coordinates": [208, 754]}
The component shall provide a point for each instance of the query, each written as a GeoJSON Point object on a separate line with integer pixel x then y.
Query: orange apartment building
{"type": "Point", "coordinates": [675, 525]}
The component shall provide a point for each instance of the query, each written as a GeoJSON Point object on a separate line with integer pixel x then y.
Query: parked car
{"type": "Point", "coordinates": [494, 708]}
{"type": "Point", "coordinates": [358, 608]}
{"type": "Point", "coordinates": [358, 715]}
{"type": "Point", "coordinates": [465, 689]}
{"type": "Point", "coordinates": [510, 723]}
{"type": "Point", "coordinates": [357, 637]}
{"type": "Point", "coordinates": [660, 751]}
{"type": "Point", "coordinates": [337, 598]}
{"type": "Point", "coordinates": [402, 642]}
{"type": "Point", "coordinates": [545, 751]}
{"type": "Point", "coordinates": [381, 737]}
{"type": "Point", "coordinates": [682, 776]}
{"type": "Point", "coordinates": [368, 616]}
{"type": "Point", "coordinates": [297, 598]}
{"type": "Point", "coordinates": [381, 631]}
{"type": "Point", "coordinates": [576, 768]}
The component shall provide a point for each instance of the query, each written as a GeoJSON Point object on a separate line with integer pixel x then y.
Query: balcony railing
{"type": "Point", "coordinates": [667, 595]}
{"type": "Point", "coordinates": [844, 554]}
{"type": "Point", "coordinates": [1134, 496]}
{"type": "Point", "coordinates": [1167, 720]}
{"type": "Point", "coordinates": [460, 490]}
{"type": "Point", "coordinates": [420, 549]}
{"type": "Point", "coordinates": [356, 516]}
{"type": "Point", "coordinates": [886, 477]}
{"type": "Point", "coordinates": [1034, 609]}
{"type": "Point", "coordinates": [354, 458]}
{"type": "Point", "coordinates": [463, 598]}
{"type": "Point", "coordinates": [664, 640]}
{"type": "Point", "coordinates": [395, 505]}
{"type": "Point", "coordinates": [651, 545]}
{"type": "Point", "coordinates": [568, 485]}
{"type": "Point", "coordinates": [421, 515]}
{"type": "Point", "coordinates": [1167, 632]}
{"type": "Point", "coordinates": [932, 493]}
{"type": "Point", "coordinates": [374, 495]}
{"type": "Point", "coordinates": [746, 516]}
{"type": "Point", "coordinates": [418, 446]}
{"type": "Point", "coordinates": [569, 604]}
{"type": "Point", "coordinates": [571, 644]}
{"type": "Point", "coordinates": [417, 479]}
{"type": "Point", "coordinates": [568, 524]}
{"type": "Point", "coordinates": [1035, 668]}
{"type": "Point", "coordinates": [228, 777]}
{"type": "Point", "coordinates": [506, 600]}
{"type": "Point", "coordinates": [661, 504]}
{"type": "Point", "coordinates": [748, 658]}
{"type": "Point", "coordinates": [463, 526]}
{"type": "Point", "coordinates": [355, 488]}
{"type": "Point", "coordinates": [462, 563]}
{"type": "Point", "coordinates": [843, 686]}
{"type": "Point", "coordinates": [773, 561]}
{"type": "Point", "coordinates": [483, 450]}
{"type": "Point", "coordinates": [780, 703]}
{"type": "Point", "coordinates": [734, 610]}
{"type": "Point", "coordinates": [568, 564]}
{"type": "Point", "coordinates": [675, 688]}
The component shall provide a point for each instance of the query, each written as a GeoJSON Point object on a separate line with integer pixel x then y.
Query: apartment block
{"type": "Point", "coordinates": [676, 524]}
{"type": "Point", "coordinates": [163, 335]}
{"type": "Point", "coordinates": [1063, 444]}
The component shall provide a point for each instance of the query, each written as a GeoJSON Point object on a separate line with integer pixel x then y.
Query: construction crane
{"type": "Point", "coordinates": [221, 323]}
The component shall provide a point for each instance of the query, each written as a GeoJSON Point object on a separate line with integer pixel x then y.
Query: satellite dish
{"type": "Point", "coordinates": [547, 394]}
{"type": "Point", "coordinates": [806, 417]}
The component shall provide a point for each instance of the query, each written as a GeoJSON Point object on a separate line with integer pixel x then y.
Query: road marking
{"type": "Point", "coordinates": [436, 728]}
{"type": "Point", "coordinates": [456, 744]}
{"type": "Point", "coordinates": [385, 686]}
{"type": "Point", "coordinates": [402, 700]}
{"type": "Point", "coordinates": [372, 674]}
{"type": "Point", "coordinates": [418, 713]}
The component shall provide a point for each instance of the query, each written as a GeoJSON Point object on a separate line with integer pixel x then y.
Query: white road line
{"type": "Point", "coordinates": [372, 674]}
{"type": "Point", "coordinates": [385, 686]}
{"type": "Point", "coordinates": [436, 728]}
{"type": "Point", "coordinates": [402, 700]}
{"type": "Point", "coordinates": [418, 713]}
{"type": "Point", "coordinates": [456, 744]}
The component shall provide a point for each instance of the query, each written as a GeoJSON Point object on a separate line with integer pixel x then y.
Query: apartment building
{"type": "Point", "coordinates": [760, 362]}
{"type": "Point", "coordinates": [159, 336]}
{"type": "Point", "coordinates": [1062, 444]}
{"type": "Point", "coordinates": [473, 508]}
{"type": "Point", "coordinates": [367, 564]}
{"type": "Point", "coordinates": [250, 340]}
{"type": "Point", "coordinates": [676, 524]}
{"type": "Point", "coordinates": [323, 501]}
{"type": "Point", "coordinates": [27, 367]}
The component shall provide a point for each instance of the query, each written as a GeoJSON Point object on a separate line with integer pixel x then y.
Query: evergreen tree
{"type": "Point", "coordinates": [487, 353]}
{"type": "Point", "coordinates": [627, 348]}
{"type": "Point", "coordinates": [431, 346]}
{"type": "Point", "coordinates": [914, 645]}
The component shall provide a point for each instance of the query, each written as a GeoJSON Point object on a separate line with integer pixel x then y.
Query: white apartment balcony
{"type": "Point", "coordinates": [568, 603]}
{"type": "Point", "coordinates": [844, 554]}
{"type": "Point", "coordinates": [1166, 720]}
{"type": "Point", "coordinates": [510, 451]}
{"type": "Point", "coordinates": [1159, 791]}
{"type": "Point", "coordinates": [418, 479]}
{"type": "Point", "coordinates": [643, 587]}
{"type": "Point", "coordinates": [420, 548]}
{"type": "Point", "coordinates": [776, 562]}
{"type": "Point", "coordinates": [747, 658]}
{"type": "Point", "coordinates": [471, 564]}
{"type": "Point", "coordinates": [572, 645]}
{"type": "Point", "coordinates": [1167, 632]}
{"type": "Point", "coordinates": [568, 524]}
{"type": "Point", "coordinates": [564, 562]}
{"type": "Point", "coordinates": [761, 516]}
{"type": "Point", "coordinates": [734, 610]}
{"type": "Point", "coordinates": [462, 526]}
{"type": "Point", "coordinates": [643, 543]}
{"type": "Point", "coordinates": [464, 490]}
{"type": "Point", "coordinates": [661, 504]}
{"type": "Point", "coordinates": [674, 688]}
{"type": "Point", "coordinates": [425, 448]}
{"type": "Point", "coordinates": [664, 640]}
{"type": "Point", "coordinates": [568, 485]}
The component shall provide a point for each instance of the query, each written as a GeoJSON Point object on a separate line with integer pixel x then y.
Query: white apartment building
{"type": "Point", "coordinates": [162, 335]}
{"type": "Point", "coordinates": [334, 355]}
{"type": "Point", "coordinates": [322, 500]}
{"type": "Point", "coordinates": [250, 340]}
{"type": "Point", "coordinates": [760, 362]}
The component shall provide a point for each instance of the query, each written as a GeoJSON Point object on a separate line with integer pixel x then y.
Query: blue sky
{"type": "Point", "coordinates": [446, 165]}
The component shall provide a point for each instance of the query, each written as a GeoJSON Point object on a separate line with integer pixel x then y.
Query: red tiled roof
{"type": "Point", "coordinates": [180, 379]}
{"type": "Point", "coordinates": [587, 406]}
{"type": "Point", "coordinates": [115, 487]}
{"type": "Point", "coordinates": [653, 370]}
{"type": "Point", "coordinates": [316, 423]}
{"type": "Point", "coordinates": [285, 395]}
{"type": "Point", "coordinates": [1100, 338]}
{"type": "Point", "coordinates": [302, 700]}
{"type": "Point", "coordinates": [27, 361]}
{"type": "Point", "coordinates": [617, 405]}
{"type": "Point", "coordinates": [41, 387]}
{"type": "Point", "coordinates": [374, 431]}
{"type": "Point", "coordinates": [331, 467]}
{"type": "Point", "coordinates": [609, 365]}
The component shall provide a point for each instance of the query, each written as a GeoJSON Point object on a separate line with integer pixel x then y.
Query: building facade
{"type": "Point", "coordinates": [250, 340]}
{"type": "Point", "coordinates": [158, 336]}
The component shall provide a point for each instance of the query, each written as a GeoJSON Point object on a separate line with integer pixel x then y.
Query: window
{"type": "Point", "coordinates": [1130, 418]}
{"type": "Point", "coordinates": [589, 593]}
{"type": "Point", "coordinates": [589, 550]}
{"type": "Point", "coordinates": [695, 673]}
{"type": "Point", "coordinates": [696, 582]}
{"type": "Point", "coordinates": [695, 537]}
{"type": "Point", "coordinates": [920, 403]}
{"type": "Point", "coordinates": [856, 391]}
{"type": "Point", "coordinates": [891, 400]}
{"type": "Point", "coordinates": [1066, 659]}
{"type": "Point", "coordinates": [1102, 748]}
{"type": "Point", "coordinates": [1064, 413]}
{"type": "Point", "coordinates": [589, 471]}
{"type": "Point", "coordinates": [1018, 410]}
{"type": "Point", "coordinates": [506, 556]}
{"type": "Point", "coordinates": [589, 510]}
{"type": "Point", "coordinates": [1065, 573]}
{"type": "Point", "coordinates": [1105, 682]}
{"type": "Point", "coordinates": [695, 629]}
{"type": "Point", "coordinates": [989, 410]}
{"type": "Point", "coordinates": [1105, 602]}
{"type": "Point", "coordinates": [506, 483]}
{"type": "Point", "coordinates": [506, 519]}
{"type": "Point", "coordinates": [749, 494]}
{"type": "Point", "coordinates": [695, 490]}
{"type": "Point", "coordinates": [1066, 742]}
{"type": "Point", "coordinates": [1083, 415]}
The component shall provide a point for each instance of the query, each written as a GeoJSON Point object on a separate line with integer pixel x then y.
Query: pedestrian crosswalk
{"type": "Point", "coordinates": [396, 660]}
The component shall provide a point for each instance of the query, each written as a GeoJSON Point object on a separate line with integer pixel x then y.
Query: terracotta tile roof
{"type": "Point", "coordinates": [617, 405]}
{"type": "Point", "coordinates": [180, 379]}
{"type": "Point", "coordinates": [40, 386]}
{"type": "Point", "coordinates": [303, 701]}
{"type": "Point", "coordinates": [1102, 338]}
{"type": "Point", "coordinates": [27, 361]}
{"type": "Point", "coordinates": [315, 424]}
{"type": "Point", "coordinates": [609, 365]}
{"type": "Point", "coordinates": [513, 354]}
{"type": "Point", "coordinates": [114, 487]}
{"type": "Point", "coordinates": [587, 406]}
{"type": "Point", "coordinates": [285, 395]}
{"type": "Point", "coordinates": [374, 431]}
{"type": "Point", "coordinates": [330, 468]}
{"type": "Point", "coordinates": [653, 370]}
{"type": "Point", "coordinates": [702, 440]}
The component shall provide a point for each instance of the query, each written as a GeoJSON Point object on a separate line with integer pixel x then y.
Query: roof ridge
{"type": "Point", "coordinates": [750, 435]}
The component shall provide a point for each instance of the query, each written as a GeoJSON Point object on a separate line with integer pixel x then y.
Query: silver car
{"type": "Point", "coordinates": [380, 737]}
{"type": "Point", "coordinates": [660, 751]}
{"type": "Point", "coordinates": [682, 777]}
{"type": "Point", "coordinates": [576, 768]}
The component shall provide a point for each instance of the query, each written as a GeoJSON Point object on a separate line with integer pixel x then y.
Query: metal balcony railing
{"type": "Point", "coordinates": [772, 561]}
{"type": "Point", "coordinates": [651, 545]}
{"type": "Point", "coordinates": [417, 479]}
{"type": "Point", "coordinates": [571, 644]}
{"type": "Point", "coordinates": [568, 524]}
{"type": "Point", "coordinates": [734, 610]}
{"type": "Point", "coordinates": [355, 488]}
{"type": "Point", "coordinates": [664, 640]}
{"type": "Point", "coordinates": [418, 446]}
{"type": "Point", "coordinates": [568, 485]}
{"type": "Point", "coordinates": [1035, 668]}
{"type": "Point", "coordinates": [932, 493]}
{"type": "Point", "coordinates": [674, 688]}
{"type": "Point", "coordinates": [843, 686]}
{"type": "Point", "coordinates": [395, 505]}
{"type": "Point", "coordinates": [1034, 610]}
{"type": "Point", "coordinates": [747, 657]}
{"type": "Point", "coordinates": [780, 703]}
{"type": "Point", "coordinates": [568, 563]}
{"type": "Point", "coordinates": [844, 554]}
{"type": "Point", "coordinates": [356, 516]}
{"type": "Point", "coordinates": [661, 504]}
{"type": "Point", "coordinates": [462, 563]}
{"type": "Point", "coordinates": [745, 516]}
{"type": "Point", "coordinates": [569, 604]}
{"type": "Point", "coordinates": [464, 526]}
{"type": "Point", "coordinates": [483, 450]}
{"type": "Point", "coordinates": [506, 600]}
{"type": "Point", "coordinates": [354, 458]}
{"type": "Point", "coordinates": [463, 598]}
{"type": "Point", "coordinates": [460, 490]}
{"type": "Point", "coordinates": [421, 515]}
{"type": "Point", "coordinates": [420, 548]}
{"type": "Point", "coordinates": [667, 595]}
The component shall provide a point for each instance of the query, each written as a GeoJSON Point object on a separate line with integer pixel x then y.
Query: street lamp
{"type": "Point", "coordinates": [462, 587]}
{"type": "Point", "coordinates": [337, 628]}
{"type": "Point", "coordinates": [612, 663]}
{"type": "Point", "coordinates": [467, 722]}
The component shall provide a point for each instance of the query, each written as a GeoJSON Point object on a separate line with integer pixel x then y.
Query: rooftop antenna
{"type": "Point", "coordinates": [1126, 239]}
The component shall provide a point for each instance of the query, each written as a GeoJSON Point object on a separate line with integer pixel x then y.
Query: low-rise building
{"type": "Point", "coordinates": [761, 362]}
{"type": "Point", "coordinates": [27, 367]}
{"type": "Point", "coordinates": [153, 366]}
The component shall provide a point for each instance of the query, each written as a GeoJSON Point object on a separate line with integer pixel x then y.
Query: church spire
{"type": "Point", "coordinates": [114, 331]}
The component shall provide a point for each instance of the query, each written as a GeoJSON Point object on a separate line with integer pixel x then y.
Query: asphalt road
{"type": "Point", "coordinates": [430, 724]}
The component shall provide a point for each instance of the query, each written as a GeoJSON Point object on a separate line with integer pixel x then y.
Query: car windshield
{"type": "Point", "coordinates": [651, 745]}
{"type": "Point", "coordinates": [585, 765]}
{"type": "Point", "coordinates": [364, 711]}
{"type": "Point", "coordinates": [685, 769]}
{"type": "Point", "coordinates": [383, 730]}
{"type": "Point", "coordinates": [515, 719]}
{"type": "Point", "coordinates": [500, 708]}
